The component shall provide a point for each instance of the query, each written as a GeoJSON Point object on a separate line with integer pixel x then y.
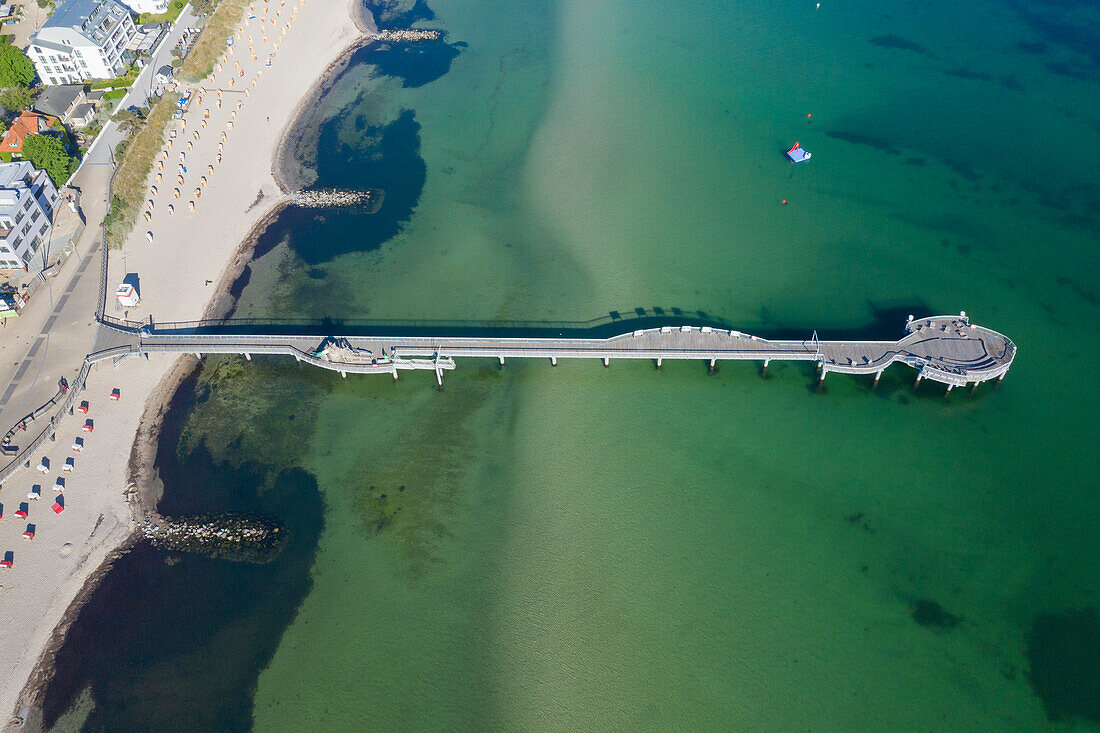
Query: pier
{"type": "Point", "coordinates": [946, 349]}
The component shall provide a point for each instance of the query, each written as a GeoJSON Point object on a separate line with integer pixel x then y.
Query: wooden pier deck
{"type": "Point", "coordinates": [946, 349]}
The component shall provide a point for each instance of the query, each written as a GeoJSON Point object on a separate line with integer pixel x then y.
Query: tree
{"type": "Point", "coordinates": [14, 99]}
{"type": "Point", "coordinates": [48, 153]}
{"type": "Point", "coordinates": [128, 120]}
{"type": "Point", "coordinates": [15, 68]}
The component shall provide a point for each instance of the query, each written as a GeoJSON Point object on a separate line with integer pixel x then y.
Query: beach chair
{"type": "Point", "coordinates": [70, 464]}
{"type": "Point", "coordinates": [35, 493]}
{"type": "Point", "coordinates": [44, 466]}
{"type": "Point", "coordinates": [78, 445]}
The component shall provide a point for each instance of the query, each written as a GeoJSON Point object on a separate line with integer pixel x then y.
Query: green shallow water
{"type": "Point", "coordinates": [579, 548]}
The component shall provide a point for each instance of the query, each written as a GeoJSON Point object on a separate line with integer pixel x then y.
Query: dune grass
{"type": "Point", "coordinates": [128, 187]}
{"type": "Point", "coordinates": [200, 62]}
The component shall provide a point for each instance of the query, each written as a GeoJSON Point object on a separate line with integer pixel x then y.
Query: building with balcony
{"type": "Point", "coordinates": [148, 6]}
{"type": "Point", "coordinates": [27, 200]}
{"type": "Point", "coordinates": [82, 40]}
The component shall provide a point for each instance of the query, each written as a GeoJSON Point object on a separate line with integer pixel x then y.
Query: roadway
{"type": "Point", "coordinates": [57, 328]}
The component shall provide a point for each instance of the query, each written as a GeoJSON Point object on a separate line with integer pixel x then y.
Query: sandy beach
{"type": "Point", "coordinates": [200, 241]}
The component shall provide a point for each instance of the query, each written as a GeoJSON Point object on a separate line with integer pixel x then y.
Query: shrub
{"type": "Point", "coordinates": [15, 98]}
{"type": "Point", "coordinates": [48, 153]}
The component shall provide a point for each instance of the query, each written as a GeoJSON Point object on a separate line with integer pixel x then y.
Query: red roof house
{"type": "Point", "coordinates": [28, 123]}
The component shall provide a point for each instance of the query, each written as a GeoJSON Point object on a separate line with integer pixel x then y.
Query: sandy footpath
{"type": "Point", "coordinates": [188, 248]}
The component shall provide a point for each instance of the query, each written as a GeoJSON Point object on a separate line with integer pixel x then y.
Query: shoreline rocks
{"type": "Point", "coordinates": [336, 197]}
{"type": "Point", "coordinates": [408, 35]}
{"type": "Point", "coordinates": [236, 537]}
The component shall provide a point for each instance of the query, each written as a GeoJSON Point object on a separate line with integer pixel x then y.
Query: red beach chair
{"type": "Point", "coordinates": [28, 534]}
{"type": "Point", "coordinates": [6, 563]}
{"type": "Point", "coordinates": [116, 395]}
{"type": "Point", "coordinates": [58, 507]}
{"type": "Point", "coordinates": [21, 512]}
{"type": "Point", "coordinates": [83, 409]}
{"type": "Point", "coordinates": [88, 426]}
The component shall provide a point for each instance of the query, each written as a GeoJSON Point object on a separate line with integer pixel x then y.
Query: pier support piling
{"type": "Point", "coordinates": [659, 360]}
{"type": "Point", "coordinates": [501, 360]}
{"type": "Point", "coordinates": [344, 375]}
{"type": "Point", "coordinates": [919, 377]}
{"type": "Point", "coordinates": [878, 376]}
{"type": "Point", "coordinates": [711, 366]}
{"type": "Point", "coordinates": [439, 377]}
{"type": "Point", "coordinates": [607, 361]}
{"type": "Point", "coordinates": [553, 361]}
{"type": "Point", "coordinates": [247, 356]}
{"type": "Point", "coordinates": [395, 375]}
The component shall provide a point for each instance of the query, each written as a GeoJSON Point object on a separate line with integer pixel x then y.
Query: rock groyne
{"type": "Point", "coordinates": [407, 35]}
{"type": "Point", "coordinates": [338, 197]}
{"type": "Point", "coordinates": [237, 537]}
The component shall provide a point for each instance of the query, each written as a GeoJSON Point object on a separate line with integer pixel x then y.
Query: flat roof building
{"type": "Point", "coordinates": [82, 40]}
{"type": "Point", "coordinates": [27, 199]}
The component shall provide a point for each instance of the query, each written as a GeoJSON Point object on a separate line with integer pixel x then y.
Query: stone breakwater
{"type": "Point", "coordinates": [405, 36]}
{"type": "Point", "coordinates": [237, 537]}
{"type": "Point", "coordinates": [335, 197]}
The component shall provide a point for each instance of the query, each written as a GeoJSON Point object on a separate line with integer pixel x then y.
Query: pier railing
{"type": "Point", "coordinates": [27, 452]}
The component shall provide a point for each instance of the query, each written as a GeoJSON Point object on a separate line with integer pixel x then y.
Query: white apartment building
{"type": "Point", "coordinates": [82, 40]}
{"type": "Point", "coordinates": [148, 6]}
{"type": "Point", "coordinates": [27, 199]}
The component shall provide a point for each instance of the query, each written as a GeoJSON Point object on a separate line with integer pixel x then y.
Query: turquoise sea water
{"type": "Point", "coordinates": [579, 548]}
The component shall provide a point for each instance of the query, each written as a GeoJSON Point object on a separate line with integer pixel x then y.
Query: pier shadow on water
{"type": "Point", "coordinates": [888, 324]}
